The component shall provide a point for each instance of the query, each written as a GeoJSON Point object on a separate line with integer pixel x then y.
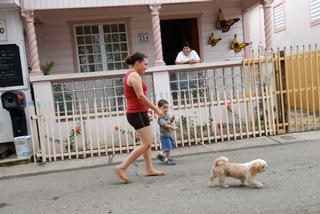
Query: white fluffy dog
{"type": "Point", "coordinates": [245, 172]}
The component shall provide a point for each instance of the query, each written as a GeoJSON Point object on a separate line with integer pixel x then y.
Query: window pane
{"type": "Point", "coordinates": [96, 39]}
{"type": "Point", "coordinates": [83, 60]}
{"type": "Point", "coordinates": [193, 84]}
{"type": "Point", "coordinates": [116, 48]}
{"type": "Point", "coordinates": [124, 47]}
{"type": "Point", "coordinates": [80, 40]}
{"type": "Point", "coordinates": [107, 38]}
{"type": "Point", "coordinates": [89, 49]}
{"type": "Point", "coordinates": [90, 59]}
{"type": "Point", "coordinates": [174, 86]}
{"type": "Point", "coordinates": [97, 59]}
{"type": "Point", "coordinates": [96, 49]}
{"type": "Point", "coordinates": [123, 37]}
{"type": "Point", "coordinates": [118, 66]}
{"type": "Point", "coordinates": [95, 29]}
{"type": "Point", "coordinates": [173, 76]}
{"type": "Point", "coordinates": [92, 68]}
{"type": "Point", "coordinates": [117, 57]}
{"type": "Point", "coordinates": [99, 67]}
{"type": "Point", "coordinates": [182, 75]}
{"type": "Point", "coordinates": [106, 29]}
{"type": "Point", "coordinates": [183, 85]}
{"type": "Point", "coordinates": [109, 57]}
{"type": "Point", "coordinates": [122, 28]}
{"type": "Point", "coordinates": [84, 68]}
{"type": "Point", "coordinates": [125, 66]}
{"type": "Point", "coordinates": [110, 66]}
{"type": "Point", "coordinates": [192, 75]}
{"type": "Point", "coordinates": [115, 38]}
{"type": "Point", "coordinates": [79, 30]}
{"type": "Point", "coordinates": [114, 28]}
{"type": "Point", "coordinates": [87, 30]}
{"type": "Point", "coordinates": [124, 55]}
{"type": "Point", "coordinates": [88, 39]}
{"type": "Point", "coordinates": [108, 48]}
{"type": "Point", "coordinates": [82, 50]}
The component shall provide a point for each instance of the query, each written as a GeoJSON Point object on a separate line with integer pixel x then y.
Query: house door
{"type": "Point", "coordinates": [173, 33]}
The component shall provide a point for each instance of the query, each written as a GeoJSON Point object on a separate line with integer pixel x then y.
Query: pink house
{"type": "Point", "coordinates": [88, 40]}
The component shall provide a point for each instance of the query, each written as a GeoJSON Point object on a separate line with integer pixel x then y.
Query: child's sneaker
{"type": "Point", "coordinates": [169, 162]}
{"type": "Point", "coordinates": [160, 157]}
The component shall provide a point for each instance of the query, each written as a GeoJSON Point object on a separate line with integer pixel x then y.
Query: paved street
{"type": "Point", "coordinates": [291, 186]}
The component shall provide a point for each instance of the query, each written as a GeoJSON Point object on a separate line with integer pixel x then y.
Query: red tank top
{"type": "Point", "coordinates": [134, 104]}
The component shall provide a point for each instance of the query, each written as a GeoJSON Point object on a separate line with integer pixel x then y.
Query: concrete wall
{"type": "Point", "coordinates": [14, 36]}
{"type": "Point", "coordinates": [298, 31]}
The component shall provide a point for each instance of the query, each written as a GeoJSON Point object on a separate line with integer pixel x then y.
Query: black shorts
{"type": "Point", "coordinates": [138, 120]}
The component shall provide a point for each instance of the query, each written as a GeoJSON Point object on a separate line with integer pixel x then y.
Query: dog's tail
{"type": "Point", "coordinates": [220, 160]}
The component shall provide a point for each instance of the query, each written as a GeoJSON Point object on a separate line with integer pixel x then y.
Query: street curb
{"type": "Point", "coordinates": [179, 155]}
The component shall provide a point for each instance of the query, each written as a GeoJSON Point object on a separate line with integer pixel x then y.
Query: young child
{"type": "Point", "coordinates": [167, 127]}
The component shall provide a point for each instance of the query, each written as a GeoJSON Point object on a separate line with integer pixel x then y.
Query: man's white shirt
{"type": "Point", "coordinates": [183, 58]}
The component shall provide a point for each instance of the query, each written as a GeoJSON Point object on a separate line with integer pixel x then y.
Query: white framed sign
{"type": "Point", "coordinates": [3, 30]}
{"type": "Point", "coordinates": [143, 37]}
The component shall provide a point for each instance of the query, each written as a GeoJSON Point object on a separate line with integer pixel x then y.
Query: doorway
{"type": "Point", "coordinates": [173, 33]}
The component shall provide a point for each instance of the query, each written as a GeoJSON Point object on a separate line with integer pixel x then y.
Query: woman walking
{"type": "Point", "coordinates": [137, 115]}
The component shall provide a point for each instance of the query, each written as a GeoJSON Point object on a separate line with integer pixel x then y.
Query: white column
{"type": "Point", "coordinates": [268, 23]}
{"type": "Point", "coordinates": [161, 85]}
{"type": "Point", "coordinates": [32, 41]}
{"type": "Point", "coordinates": [154, 10]}
{"type": "Point", "coordinates": [247, 32]}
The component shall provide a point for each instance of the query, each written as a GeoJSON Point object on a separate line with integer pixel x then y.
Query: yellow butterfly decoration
{"type": "Point", "coordinates": [224, 25]}
{"type": "Point", "coordinates": [213, 40]}
{"type": "Point", "coordinates": [238, 46]}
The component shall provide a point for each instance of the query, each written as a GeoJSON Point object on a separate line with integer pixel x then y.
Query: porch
{"type": "Point", "coordinates": [82, 115]}
{"type": "Point", "coordinates": [91, 36]}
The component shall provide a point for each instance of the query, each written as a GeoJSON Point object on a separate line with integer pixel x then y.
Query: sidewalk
{"type": "Point", "coordinates": [74, 164]}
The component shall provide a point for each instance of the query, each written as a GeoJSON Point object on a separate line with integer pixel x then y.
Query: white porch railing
{"type": "Point", "coordinates": [82, 115]}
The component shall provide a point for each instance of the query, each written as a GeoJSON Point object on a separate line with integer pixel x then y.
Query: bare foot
{"type": "Point", "coordinates": [154, 173]}
{"type": "Point", "coordinates": [121, 173]}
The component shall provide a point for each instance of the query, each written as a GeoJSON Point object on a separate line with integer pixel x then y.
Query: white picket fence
{"type": "Point", "coordinates": [101, 132]}
{"type": "Point", "coordinates": [210, 102]}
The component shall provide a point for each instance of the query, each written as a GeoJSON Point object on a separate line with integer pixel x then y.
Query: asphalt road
{"type": "Point", "coordinates": [292, 185]}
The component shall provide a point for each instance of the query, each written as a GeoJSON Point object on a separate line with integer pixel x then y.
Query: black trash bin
{"type": "Point", "coordinates": [15, 102]}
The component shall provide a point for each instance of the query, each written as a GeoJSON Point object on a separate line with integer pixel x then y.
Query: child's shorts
{"type": "Point", "coordinates": [167, 143]}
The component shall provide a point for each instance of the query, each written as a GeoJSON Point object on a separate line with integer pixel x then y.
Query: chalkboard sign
{"type": "Point", "coordinates": [10, 66]}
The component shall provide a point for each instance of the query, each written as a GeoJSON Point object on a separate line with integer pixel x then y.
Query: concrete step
{"type": "Point", "coordinates": [13, 160]}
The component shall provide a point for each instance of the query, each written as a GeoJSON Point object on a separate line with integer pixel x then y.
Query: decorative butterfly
{"type": "Point", "coordinates": [224, 25]}
{"type": "Point", "coordinates": [213, 40]}
{"type": "Point", "coordinates": [238, 46]}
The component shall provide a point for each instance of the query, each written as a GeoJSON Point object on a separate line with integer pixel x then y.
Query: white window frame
{"type": "Point", "coordinates": [101, 44]}
{"type": "Point", "coordinates": [284, 27]}
{"type": "Point", "coordinates": [317, 19]}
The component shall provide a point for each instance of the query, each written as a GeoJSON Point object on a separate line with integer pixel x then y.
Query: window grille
{"type": "Point", "coordinates": [201, 84]}
{"type": "Point", "coordinates": [105, 94]}
{"type": "Point", "coordinates": [101, 47]}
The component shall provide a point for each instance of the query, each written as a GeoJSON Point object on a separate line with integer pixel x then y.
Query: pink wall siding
{"type": "Point", "coordinates": [55, 42]}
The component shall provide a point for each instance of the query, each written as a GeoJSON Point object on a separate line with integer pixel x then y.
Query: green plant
{"type": "Point", "coordinates": [72, 135]}
{"type": "Point", "coordinates": [46, 68]}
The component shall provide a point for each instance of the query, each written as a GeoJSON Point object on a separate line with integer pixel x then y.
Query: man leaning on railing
{"type": "Point", "coordinates": [187, 56]}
